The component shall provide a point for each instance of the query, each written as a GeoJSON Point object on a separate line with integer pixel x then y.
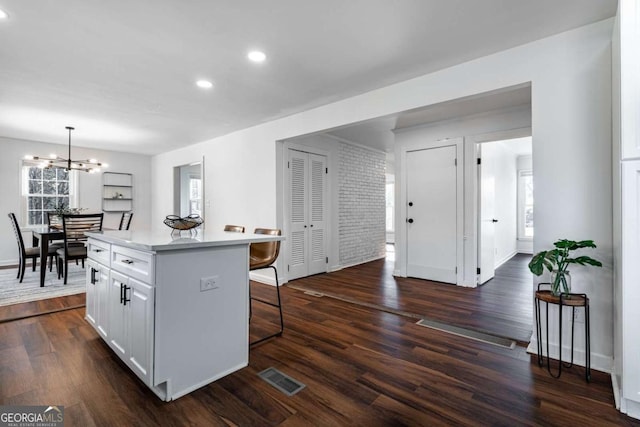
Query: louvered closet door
{"type": "Point", "coordinates": [307, 214]}
{"type": "Point", "coordinates": [317, 230]}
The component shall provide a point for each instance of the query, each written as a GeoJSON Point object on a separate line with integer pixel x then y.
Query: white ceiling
{"type": "Point", "coordinates": [123, 72]}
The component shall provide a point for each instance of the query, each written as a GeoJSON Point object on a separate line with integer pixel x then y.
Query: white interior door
{"type": "Point", "coordinates": [487, 219]}
{"type": "Point", "coordinates": [432, 214]}
{"type": "Point", "coordinates": [307, 214]}
{"type": "Point", "coordinates": [317, 261]}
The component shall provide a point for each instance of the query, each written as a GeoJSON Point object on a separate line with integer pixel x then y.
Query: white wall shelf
{"type": "Point", "coordinates": [117, 192]}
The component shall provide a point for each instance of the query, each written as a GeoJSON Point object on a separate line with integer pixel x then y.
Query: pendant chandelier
{"type": "Point", "coordinates": [54, 161]}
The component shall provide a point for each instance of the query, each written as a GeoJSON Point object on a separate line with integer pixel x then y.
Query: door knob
{"type": "Point", "coordinates": [410, 220]}
{"type": "Point", "coordinates": [494, 220]}
{"type": "Point", "coordinates": [410, 203]}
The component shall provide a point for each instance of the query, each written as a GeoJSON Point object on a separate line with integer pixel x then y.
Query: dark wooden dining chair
{"type": "Point", "coordinates": [25, 253]}
{"type": "Point", "coordinates": [74, 228]}
{"type": "Point", "coordinates": [125, 220]}
{"type": "Point", "coordinates": [54, 221]}
{"type": "Point", "coordinates": [264, 255]}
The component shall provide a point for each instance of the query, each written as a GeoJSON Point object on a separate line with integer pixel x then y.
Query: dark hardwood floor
{"type": "Point", "coordinates": [361, 367]}
{"type": "Point", "coordinates": [502, 307]}
{"type": "Point", "coordinates": [36, 308]}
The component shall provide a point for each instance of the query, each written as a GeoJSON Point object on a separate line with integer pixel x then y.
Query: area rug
{"type": "Point", "coordinates": [14, 292]}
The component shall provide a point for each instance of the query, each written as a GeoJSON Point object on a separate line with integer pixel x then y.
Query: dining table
{"type": "Point", "coordinates": [42, 236]}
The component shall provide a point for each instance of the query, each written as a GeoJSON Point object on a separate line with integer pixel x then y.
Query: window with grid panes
{"type": "Point", "coordinates": [525, 204]}
{"type": "Point", "coordinates": [44, 190]}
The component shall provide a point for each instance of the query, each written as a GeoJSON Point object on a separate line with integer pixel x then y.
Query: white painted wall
{"type": "Point", "coordinates": [89, 187]}
{"type": "Point", "coordinates": [361, 205]}
{"type": "Point", "coordinates": [618, 302]}
{"type": "Point", "coordinates": [570, 74]}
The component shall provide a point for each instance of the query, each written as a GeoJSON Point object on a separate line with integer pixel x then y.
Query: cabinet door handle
{"type": "Point", "coordinates": [98, 250]}
{"type": "Point", "coordinates": [93, 276]}
{"type": "Point", "coordinates": [126, 300]}
{"type": "Point", "coordinates": [121, 292]}
{"type": "Point", "coordinates": [127, 261]}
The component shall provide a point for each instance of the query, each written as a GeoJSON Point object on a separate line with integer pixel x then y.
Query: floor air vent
{"type": "Point", "coordinates": [282, 382]}
{"type": "Point", "coordinates": [467, 333]}
{"type": "Point", "coordinates": [314, 294]}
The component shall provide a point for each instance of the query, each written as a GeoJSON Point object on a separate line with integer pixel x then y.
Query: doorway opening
{"type": "Point", "coordinates": [505, 203]}
{"type": "Point", "coordinates": [188, 189]}
{"type": "Point", "coordinates": [384, 282]}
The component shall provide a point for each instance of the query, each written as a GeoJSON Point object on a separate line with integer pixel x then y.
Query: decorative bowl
{"type": "Point", "coordinates": [184, 223]}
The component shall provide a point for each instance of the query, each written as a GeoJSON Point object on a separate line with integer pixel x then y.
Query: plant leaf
{"type": "Point", "coordinates": [585, 260]}
{"type": "Point", "coordinates": [585, 244]}
{"type": "Point", "coordinates": [536, 263]}
{"type": "Point", "coordinates": [564, 244]}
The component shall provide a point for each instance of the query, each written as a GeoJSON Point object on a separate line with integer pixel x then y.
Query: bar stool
{"type": "Point", "coordinates": [234, 228]}
{"type": "Point", "coordinates": [263, 255]}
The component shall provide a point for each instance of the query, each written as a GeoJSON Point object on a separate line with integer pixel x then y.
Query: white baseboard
{"type": "Point", "coordinates": [340, 267]}
{"type": "Point", "coordinates": [264, 278]}
{"type": "Point", "coordinates": [9, 263]}
{"type": "Point", "coordinates": [616, 389]}
{"type": "Point", "coordinates": [630, 407]}
{"type": "Point", "coordinates": [599, 362]}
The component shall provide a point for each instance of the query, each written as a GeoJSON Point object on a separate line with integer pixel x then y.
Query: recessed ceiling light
{"type": "Point", "coordinates": [256, 56]}
{"type": "Point", "coordinates": [3, 14]}
{"type": "Point", "coordinates": [205, 84]}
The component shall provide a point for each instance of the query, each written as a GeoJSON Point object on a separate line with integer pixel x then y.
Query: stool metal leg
{"type": "Point", "coordinates": [539, 332]}
{"type": "Point", "coordinates": [573, 328]}
{"type": "Point", "coordinates": [278, 306]}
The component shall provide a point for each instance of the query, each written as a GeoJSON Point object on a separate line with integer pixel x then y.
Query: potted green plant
{"type": "Point", "coordinates": [557, 261]}
{"type": "Point", "coordinates": [56, 215]}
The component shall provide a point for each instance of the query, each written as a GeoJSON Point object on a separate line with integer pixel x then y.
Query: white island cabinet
{"type": "Point", "coordinates": [175, 310]}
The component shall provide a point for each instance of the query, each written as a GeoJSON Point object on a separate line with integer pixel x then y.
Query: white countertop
{"type": "Point", "coordinates": [164, 241]}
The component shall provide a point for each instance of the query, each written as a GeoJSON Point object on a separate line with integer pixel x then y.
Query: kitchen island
{"type": "Point", "coordinates": [174, 309]}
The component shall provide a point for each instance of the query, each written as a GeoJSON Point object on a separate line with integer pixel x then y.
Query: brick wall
{"type": "Point", "coordinates": [361, 204]}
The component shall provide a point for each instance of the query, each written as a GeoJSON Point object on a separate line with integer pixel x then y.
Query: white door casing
{"type": "Point", "coordinates": [307, 240]}
{"type": "Point", "coordinates": [432, 235]}
{"type": "Point", "coordinates": [486, 241]}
